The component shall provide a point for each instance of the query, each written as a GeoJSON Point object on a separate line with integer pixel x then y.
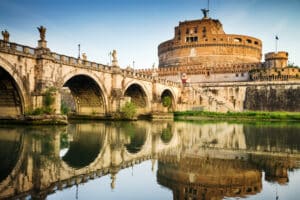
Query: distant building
{"type": "Point", "coordinates": [202, 52]}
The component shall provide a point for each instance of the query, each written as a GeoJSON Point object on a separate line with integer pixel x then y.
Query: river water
{"type": "Point", "coordinates": [151, 160]}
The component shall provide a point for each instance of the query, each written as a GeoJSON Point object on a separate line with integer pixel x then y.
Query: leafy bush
{"type": "Point", "coordinates": [48, 98]}
{"type": "Point", "coordinates": [128, 110]}
{"type": "Point", "coordinates": [48, 101]}
{"type": "Point", "coordinates": [64, 109]}
{"type": "Point", "coordinates": [167, 101]}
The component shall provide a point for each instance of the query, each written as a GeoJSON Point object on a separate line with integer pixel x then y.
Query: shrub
{"type": "Point", "coordinates": [167, 101]}
{"type": "Point", "coordinates": [64, 109]}
{"type": "Point", "coordinates": [128, 110]}
{"type": "Point", "coordinates": [49, 99]}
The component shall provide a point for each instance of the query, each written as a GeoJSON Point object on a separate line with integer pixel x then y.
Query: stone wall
{"type": "Point", "coordinates": [241, 96]}
{"type": "Point", "coordinates": [273, 98]}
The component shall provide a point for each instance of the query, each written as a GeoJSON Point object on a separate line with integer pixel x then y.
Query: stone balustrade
{"type": "Point", "coordinates": [14, 48]}
{"type": "Point", "coordinates": [10, 47]}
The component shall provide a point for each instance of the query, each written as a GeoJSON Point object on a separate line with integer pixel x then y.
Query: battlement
{"type": "Point", "coordinates": [203, 69]}
{"type": "Point", "coordinates": [276, 55]}
{"type": "Point", "coordinates": [276, 74]}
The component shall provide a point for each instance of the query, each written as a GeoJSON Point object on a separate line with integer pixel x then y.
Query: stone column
{"type": "Point", "coordinates": [117, 83]}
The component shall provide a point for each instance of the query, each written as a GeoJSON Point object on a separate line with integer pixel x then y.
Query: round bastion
{"type": "Point", "coordinates": [204, 42]}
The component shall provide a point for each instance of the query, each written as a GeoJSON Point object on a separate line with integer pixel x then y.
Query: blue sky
{"type": "Point", "coordinates": [136, 27]}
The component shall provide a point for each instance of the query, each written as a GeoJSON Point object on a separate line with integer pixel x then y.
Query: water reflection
{"type": "Point", "coordinates": [195, 161]}
{"type": "Point", "coordinates": [85, 145]}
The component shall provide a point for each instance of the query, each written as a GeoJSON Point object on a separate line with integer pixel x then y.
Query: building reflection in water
{"type": "Point", "coordinates": [195, 161]}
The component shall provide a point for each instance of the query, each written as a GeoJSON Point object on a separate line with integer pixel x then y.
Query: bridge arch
{"type": "Point", "coordinates": [17, 155]}
{"type": "Point", "coordinates": [168, 93]}
{"type": "Point", "coordinates": [84, 148]}
{"type": "Point", "coordinates": [137, 137]}
{"type": "Point", "coordinates": [13, 98]}
{"type": "Point", "coordinates": [167, 134]}
{"type": "Point", "coordinates": [86, 140]}
{"type": "Point", "coordinates": [143, 148]}
{"type": "Point", "coordinates": [88, 92]}
{"type": "Point", "coordinates": [139, 96]}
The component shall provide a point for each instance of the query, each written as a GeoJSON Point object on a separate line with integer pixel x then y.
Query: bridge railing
{"type": "Point", "coordinates": [16, 48]}
{"type": "Point", "coordinates": [147, 77]}
{"type": "Point", "coordinates": [68, 60]}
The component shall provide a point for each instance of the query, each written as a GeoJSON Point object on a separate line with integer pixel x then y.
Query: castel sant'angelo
{"type": "Point", "coordinates": [201, 52]}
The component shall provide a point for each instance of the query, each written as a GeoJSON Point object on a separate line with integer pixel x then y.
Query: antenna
{"type": "Point", "coordinates": [78, 51]}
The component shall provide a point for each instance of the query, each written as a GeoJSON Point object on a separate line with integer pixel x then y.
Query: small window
{"type": "Point", "coordinates": [204, 31]}
{"type": "Point", "coordinates": [249, 41]}
{"type": "Point", "coordinates": [242, 74]}
{"type": "Point", "coordinates": [237, 40]}
{"type": "Point", "coordinates": [187, 31]}
{"type": "Point", "coordinates": [236, 75]}
{"type": "Point", "coordinates": [256, 42]}
{"type": "Point", "coordinates": [195, 30]}
{"type": "Point", "coordinates": [214, 39]}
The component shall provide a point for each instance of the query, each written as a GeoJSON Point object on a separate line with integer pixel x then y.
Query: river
{"type": "Point", "coordinates": [151, 160]}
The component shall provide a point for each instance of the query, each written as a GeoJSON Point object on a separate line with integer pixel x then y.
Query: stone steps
{"type": "Point", "coordinates": [7, 98]}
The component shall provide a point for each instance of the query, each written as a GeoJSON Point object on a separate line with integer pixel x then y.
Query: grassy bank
{"type": "Point", "coordinates": [238, 116]}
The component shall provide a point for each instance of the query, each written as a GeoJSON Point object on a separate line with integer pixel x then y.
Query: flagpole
{"type": "Point", "coordinates": [276, 43]}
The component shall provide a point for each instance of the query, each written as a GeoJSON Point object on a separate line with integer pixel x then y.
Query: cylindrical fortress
{"type": "Point", "coordinates": [204, 42]}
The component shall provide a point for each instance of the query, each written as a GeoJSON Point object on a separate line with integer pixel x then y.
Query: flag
{"type": "Point", "coordinates": [276, 37]}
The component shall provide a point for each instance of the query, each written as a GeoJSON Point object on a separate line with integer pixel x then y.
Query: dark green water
{"type": "Point", "coordinates": [150, 160]}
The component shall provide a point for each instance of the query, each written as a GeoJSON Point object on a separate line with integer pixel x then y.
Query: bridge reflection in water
{"type": "Point", "coordinates": [195, 161]}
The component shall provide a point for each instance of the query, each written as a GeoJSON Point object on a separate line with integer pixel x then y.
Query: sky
{"type": "Point", "coordinates": [136, 27]}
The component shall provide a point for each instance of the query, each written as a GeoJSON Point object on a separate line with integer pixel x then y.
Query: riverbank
{"type": "Point", "coordinates": [36, 120]}
{"type": "Point", "coordinates": [238, 116]}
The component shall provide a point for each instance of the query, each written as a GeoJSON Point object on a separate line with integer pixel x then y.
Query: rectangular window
{"type": "Point", "coordinates": [195, 30]}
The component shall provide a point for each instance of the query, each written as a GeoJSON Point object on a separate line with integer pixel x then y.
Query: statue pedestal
{"type": "Point", "coordinates": [115, 63]}
{"type": "Point", "coordinates": [42, 44]}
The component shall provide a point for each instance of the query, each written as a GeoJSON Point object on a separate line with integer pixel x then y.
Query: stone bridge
{"type": "Point", "coordinates": [27, 73]}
